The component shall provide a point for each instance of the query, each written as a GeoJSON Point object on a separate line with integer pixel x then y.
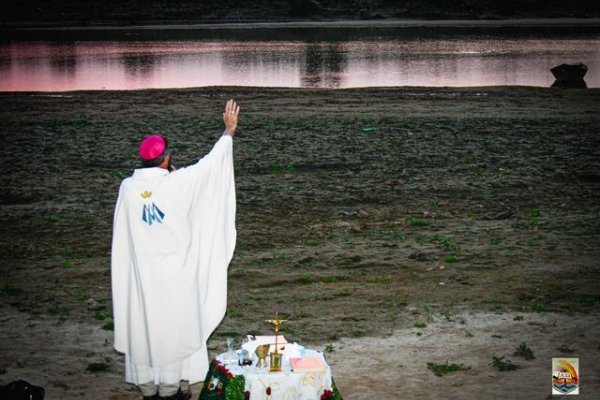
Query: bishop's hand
{"type": "Point", "coordinates": [230, 117]}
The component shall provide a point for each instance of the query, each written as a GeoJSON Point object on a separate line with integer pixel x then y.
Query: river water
{"type": "Point", "coordinates": [298, 57]}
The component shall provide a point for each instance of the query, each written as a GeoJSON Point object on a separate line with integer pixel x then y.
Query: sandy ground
{"type": "Point", "coordinates": [394, 367]}
{"type": "Point", "coordinates": [360, 214]}
{"type": "Point", "coordinates": [391, 367]}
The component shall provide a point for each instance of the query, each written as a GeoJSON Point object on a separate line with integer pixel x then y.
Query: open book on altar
{"type": "Point", "coordinates": [281, 342]}
{"type": "Point", "coordinates": [307, 364]}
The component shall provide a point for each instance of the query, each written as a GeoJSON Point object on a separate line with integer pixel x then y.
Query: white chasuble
{"type": "Point", "coordinates": [173, 238]}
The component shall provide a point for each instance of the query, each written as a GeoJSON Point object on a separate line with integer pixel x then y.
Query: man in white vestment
{"type": "Point", "coordinates": [173, 238]}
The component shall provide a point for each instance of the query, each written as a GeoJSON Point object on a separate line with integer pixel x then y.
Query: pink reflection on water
{"type": "Point", "coordinates": [48, 66]}
{"type": "Point", "coordinates": [134, 65]}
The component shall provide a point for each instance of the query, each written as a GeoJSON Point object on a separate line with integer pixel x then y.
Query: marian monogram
{"type": "Point", "coordinates": [150, 212]}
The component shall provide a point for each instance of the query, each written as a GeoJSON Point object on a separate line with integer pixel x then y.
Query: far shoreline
{"type": "Point", "coordinates": [379, 23]}
{"type": "Point", "coordinates": [245, 90]}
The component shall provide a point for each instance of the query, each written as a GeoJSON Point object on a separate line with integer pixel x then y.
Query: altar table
{"type": "Point", "coordinates": [234, 382]}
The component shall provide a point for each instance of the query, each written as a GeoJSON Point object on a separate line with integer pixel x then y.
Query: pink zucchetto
{"type": "Point", "coordinates": [152, 147]}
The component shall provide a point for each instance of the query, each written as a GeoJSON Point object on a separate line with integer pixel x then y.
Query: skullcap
{"type": "Point", "coordinates": [152, 147]}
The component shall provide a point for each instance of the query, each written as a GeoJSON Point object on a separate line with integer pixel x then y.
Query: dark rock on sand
{"type": "Point", "coordinates": [569, 75]}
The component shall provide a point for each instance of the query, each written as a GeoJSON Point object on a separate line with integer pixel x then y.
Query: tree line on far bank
{"type": "Point", "coordinates": [135, 12]}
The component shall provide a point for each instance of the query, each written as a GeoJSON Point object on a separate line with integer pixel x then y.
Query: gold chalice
{"type": "Point", "coordinates": [262, 351]}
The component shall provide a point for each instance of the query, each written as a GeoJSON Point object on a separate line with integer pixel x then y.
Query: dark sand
{"type": "Point", "coordinates": [470, 205]}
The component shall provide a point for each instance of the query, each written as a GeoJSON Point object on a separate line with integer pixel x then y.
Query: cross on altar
{"type": "Point", "coordinates": [276, 322]}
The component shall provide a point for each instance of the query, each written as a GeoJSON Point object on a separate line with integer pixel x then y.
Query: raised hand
{"type": "Point", "coordinates": [230, 117]}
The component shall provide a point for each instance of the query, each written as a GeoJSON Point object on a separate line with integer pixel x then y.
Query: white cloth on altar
{"type": "Point", "coordinates": [251, 345]}
{"type": "Point", "coordinates": [173, 238]}
{"type": "Point", "coordinates": [285, 385]}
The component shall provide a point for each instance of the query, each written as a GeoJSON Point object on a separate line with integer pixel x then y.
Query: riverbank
{"type": "Point", "coordinates": [334, 24]}
{"type": "Point", "coordinates": [336, 30]}
{"type": "Point", "coordinates": [384, 213]}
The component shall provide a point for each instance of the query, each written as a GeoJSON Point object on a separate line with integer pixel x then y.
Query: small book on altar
{"type": "Point", "coordinates": [281, 342]}
{"type": "Point", "coordinates": [307, 364]}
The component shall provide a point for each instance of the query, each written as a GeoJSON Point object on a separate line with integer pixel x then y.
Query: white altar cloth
{"type": "Point", "coordinates": [285, 385]}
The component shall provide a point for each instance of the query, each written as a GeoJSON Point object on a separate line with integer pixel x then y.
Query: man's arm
{"type": "Point", "coordinates": [230, 117]}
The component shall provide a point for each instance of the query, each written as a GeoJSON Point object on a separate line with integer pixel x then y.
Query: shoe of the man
{"type": "Point", "coordinates": [180, 395]}
{"type": "Point", "coordinates": [153, 397]}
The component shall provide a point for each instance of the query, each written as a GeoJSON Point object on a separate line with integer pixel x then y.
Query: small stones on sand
{"type": "Point", "coordinates": [94, 305]}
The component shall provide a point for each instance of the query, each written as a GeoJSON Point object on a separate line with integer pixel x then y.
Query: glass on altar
{"type": "Point", "coordinates": [230, 356]}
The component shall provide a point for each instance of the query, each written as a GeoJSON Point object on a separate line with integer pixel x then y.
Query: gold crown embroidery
{"type": "Point", "coordinates": [146, 194]}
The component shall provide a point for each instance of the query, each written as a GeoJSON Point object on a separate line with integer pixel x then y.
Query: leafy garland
{"type": "Point", "coordinates": [333, 394]}
{"type": "Point", "coordinates": [220, 384]}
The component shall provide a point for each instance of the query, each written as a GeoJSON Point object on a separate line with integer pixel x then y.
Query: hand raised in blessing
{"type": "Point", "coordinates": [230, 117]}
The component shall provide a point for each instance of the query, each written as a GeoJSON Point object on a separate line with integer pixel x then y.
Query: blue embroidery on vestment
{"type": "Point", "coordinates": [151, 213]}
